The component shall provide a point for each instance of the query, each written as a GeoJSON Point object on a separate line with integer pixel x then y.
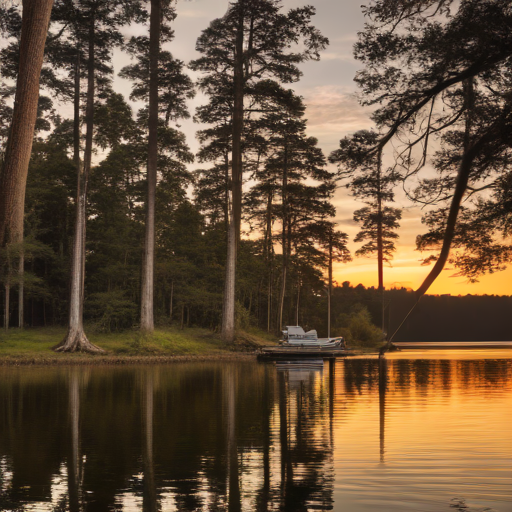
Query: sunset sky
{"type": "Point", "coordinates": [332, 112]}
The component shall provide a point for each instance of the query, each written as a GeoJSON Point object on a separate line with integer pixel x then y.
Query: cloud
{"type": "Point", "coordinates": [344, 56]}
{"type": "Point", "coordinates": [334, 112]}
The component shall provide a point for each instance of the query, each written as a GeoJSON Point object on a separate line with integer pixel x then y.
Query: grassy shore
{"type": "Point", "coordinates": [34, 346]}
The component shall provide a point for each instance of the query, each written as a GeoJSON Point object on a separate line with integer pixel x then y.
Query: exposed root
{"type": "Point", "coordinates": [76, 341]}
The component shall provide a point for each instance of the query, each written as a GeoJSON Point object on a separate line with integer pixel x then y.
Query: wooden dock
{"type": "Point", "coordinates": [421, 345]}
{"type": "Point", "coordinates": [281, 352]}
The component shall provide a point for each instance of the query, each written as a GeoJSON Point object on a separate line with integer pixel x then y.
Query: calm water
{"type": "Point", "coordinates": [419, 432]}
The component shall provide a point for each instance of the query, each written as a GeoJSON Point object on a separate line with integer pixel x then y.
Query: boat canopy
{"type": "Point", "coordinates": [296, 332]}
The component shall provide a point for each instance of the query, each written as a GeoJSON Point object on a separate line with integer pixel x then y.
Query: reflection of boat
{"type": "Point", "coordinates": [300, 364]}
{"type": "Point", "coordinates": [299, 344]}
{"type": "Point", "coordinates": [300, 370]}
{"type": "Point", "coordinates": [296, 337]}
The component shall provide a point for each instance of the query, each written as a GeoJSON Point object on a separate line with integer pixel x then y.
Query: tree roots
{"type": "Point", "coordinates": [76, 341]}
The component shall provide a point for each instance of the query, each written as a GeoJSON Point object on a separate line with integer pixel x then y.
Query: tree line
{"type": "Point", "coordinates": [164, 242]}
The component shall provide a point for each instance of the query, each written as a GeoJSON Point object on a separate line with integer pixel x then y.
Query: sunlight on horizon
{"type": "Point", "coordinates": [408, 273]}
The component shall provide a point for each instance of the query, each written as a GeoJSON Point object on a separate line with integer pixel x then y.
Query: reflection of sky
{"type": "Point", "coordinates": [446, 433]}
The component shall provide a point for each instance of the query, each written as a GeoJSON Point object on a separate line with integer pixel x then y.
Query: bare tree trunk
{"type": "Point", "coordinates": [21, 272]}
{"type": "Point", "coordinates": [269, 253]}
{"type": "Point", "coordinates": [13, 178]}
{"type": "Point", "coordinates": [284, 243]}
{"type": "Point", "coordinates": [76, 340]}
{"type": "Point", "coordinates": [227, 202]}
{"type": "Point", "coordinates": [171, 301]}
{"type": "Point", "coordinates": [380, 242]}
{"type": "Point", "coordinates": [146, 306]}
{"type": "Point", "coordinates": [228, 313]}
{"type": "Point", "coordinates": [297, 307]}
{"type": "Point", "coordinates": [7, 287]}
{"type": "Point", "coordinates": [329, 290]}
{"type": "Point", "coordinates": [76, 112]}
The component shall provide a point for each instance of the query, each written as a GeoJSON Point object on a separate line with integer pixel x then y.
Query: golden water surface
{"type": "Point", "coordinates": [428, 431]}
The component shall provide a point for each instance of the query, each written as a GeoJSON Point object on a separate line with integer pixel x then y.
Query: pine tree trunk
{"type": "Point", "coordinates": [238, 120]}
{"type": "Point", "coordinates": [147, 292]}
{"type": "Point", "coordinates": [76, 112]}
{"type": "Point", "coordinates": [329, 291]}
{"type": "Point", "coordinates": [21, 272]}
{"type": "Point", "coordinates": [7, 296]}
{"type": "Point", "coordinates": [13, 178]}
{"type": "Point", "coordinates": [228, 313]}
{"type": "Point", "coordinates": [297, 307]}
{"type": "Point", "coordinates": [171, 301]}
{"type": "Point", "coordinates": [380, 242]}
{"type": "Point", "coordinates": [269, 253]}
{"type": "Point", "coordinates": [76, 340]}
{"type": "Point", "coordinates": [284, 241]}
{"type": "Point", "coordinates": [227, 205]}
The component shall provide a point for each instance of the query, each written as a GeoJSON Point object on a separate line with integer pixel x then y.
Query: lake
{"type": "Point", "coordinates": [418, 431]}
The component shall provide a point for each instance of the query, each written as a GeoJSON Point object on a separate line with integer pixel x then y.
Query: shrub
{"type": "Point", "coordinates": [111, 311]}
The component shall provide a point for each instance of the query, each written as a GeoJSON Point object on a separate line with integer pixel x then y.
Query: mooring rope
{"type": "Point", "coordinates": [403, 321]}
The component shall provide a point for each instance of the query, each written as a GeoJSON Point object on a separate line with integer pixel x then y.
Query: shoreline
{"type": "Point", "coordinates": [82, 359]}
{"type": "Point", "coordinates": [34, 347]}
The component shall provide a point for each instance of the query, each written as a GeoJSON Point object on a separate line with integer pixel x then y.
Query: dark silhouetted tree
{"type": "Point", "coordinates": [252, 42]}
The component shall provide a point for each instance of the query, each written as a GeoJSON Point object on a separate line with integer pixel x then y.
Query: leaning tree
{"type": "Point", "coordinates": [13, 174]}
{"type": "Point", "coordinates": [439, 70]}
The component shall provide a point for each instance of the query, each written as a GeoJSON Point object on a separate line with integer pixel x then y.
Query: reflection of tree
{"type": "Point", "coordinates": [149, 499]}
{"type": "Point", "coordinates": [360, 374]}
{"type": "Point", "coordinates": [263, 496]}
{"type": "Point", "coordinates": [307, 474]}
{"type": "Point", "coordinates": [74, 458]}
{"type": "Point", "coordinates": [383, 382]}
{"type": "Point", "coordinates": [32, 408]}
{"type": "Point", "coordinates": [215, 436]}
{"type": "Point", "coordinates": [234, 504]}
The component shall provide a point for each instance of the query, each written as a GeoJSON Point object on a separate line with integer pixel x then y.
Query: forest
{"type": "Point", "coordinates": [104, 224]}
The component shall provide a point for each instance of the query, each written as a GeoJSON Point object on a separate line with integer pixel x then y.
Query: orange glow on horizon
{"type": "Point", "coordinates": [408, 273]}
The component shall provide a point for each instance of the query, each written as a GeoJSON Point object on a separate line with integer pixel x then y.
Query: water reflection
{"type": "Point", "coordinates": [400, 433]}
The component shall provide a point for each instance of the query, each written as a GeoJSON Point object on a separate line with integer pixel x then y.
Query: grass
{"type": "Point", "coordinates": [35, 345]}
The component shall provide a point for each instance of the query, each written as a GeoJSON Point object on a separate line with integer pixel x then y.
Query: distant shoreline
{"type": "Point", "coordinates": [447, 345]}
